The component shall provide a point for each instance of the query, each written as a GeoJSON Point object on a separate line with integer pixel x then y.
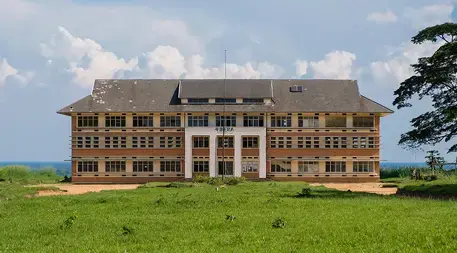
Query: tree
{"type": "Point", "coordinates": [434, 160]}
{"type": "Point", "coordinates": [434, 77]}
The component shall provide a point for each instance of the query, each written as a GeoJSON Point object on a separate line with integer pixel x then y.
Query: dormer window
{"type": "Point", "coordinates": [197, 101]}
{"type": "Point", "coordinates": [227, 100]}
{"type": "Point", "coordinates": [252, 100]}
{"type": "Point", "coordinates": [296, 88]}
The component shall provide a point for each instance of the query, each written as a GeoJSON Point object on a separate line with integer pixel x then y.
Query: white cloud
{"type": "Point", "coordinates": [429, 15]}
{"type": "Point", "coordinates": [301, 68]}
{"type": "Point", "coordinates": [336, 65]}
{"type": "Point", "coordinates": [86, 60]}
{"type": "Point", "coordinates": [382, 17]}
{"type": "Point", "coordinates": [7, 72]}
{"type": "Point", "coordinates": [397, 69]}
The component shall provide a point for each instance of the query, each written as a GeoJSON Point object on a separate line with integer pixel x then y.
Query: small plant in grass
{"type": "Point", "coordinates": [305, 193]}
{"type": "Point", "coordinates": [68, 223]}
{"type": "Point", "coordinates": [230, 217]}
{"type": "Point", "coordinates": [176, 185]}
{"type": "Point", "coordinates": [234, 180]}
{"type": "Point", "coordinates": [279, 223]}
{"type": "Point", "coordinates": [127, 230]}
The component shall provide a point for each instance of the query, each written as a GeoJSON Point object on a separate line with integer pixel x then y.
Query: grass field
{"type": "Point", "coordinates": [238, 218]}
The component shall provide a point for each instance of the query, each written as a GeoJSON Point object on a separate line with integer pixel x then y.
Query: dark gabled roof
{"type": "Point", "coordinates": [156, 95]}
{"type": "Point", "coordinates": [234, 88]}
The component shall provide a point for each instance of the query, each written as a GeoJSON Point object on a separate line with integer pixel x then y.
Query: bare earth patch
{"type": "Point", "coordinates": [360, 187]}
{"type": "Point", "coordinates": [74, 189]}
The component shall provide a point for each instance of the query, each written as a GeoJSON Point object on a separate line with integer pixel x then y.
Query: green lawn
{"type": "Point", "coordinates": [193, 219]}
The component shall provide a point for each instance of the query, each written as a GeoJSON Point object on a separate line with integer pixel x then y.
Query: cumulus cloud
{"type": "Point", "coordinates": [382, 17]}
{"type": "Point", "coordinates": [301, 68]}
{"type": "Point", "coordinates": [86, 60]}
{"type": "Point", "coordinates": [336, 65]}
{"type": "Point", "coordinates": [7, 72]}
{"type": "Point", "coordinates": [429, 15]}
{"type": "Point", "coordinates": [398, 68]}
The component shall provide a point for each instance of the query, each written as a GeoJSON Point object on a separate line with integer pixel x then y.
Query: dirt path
{"type": "Point", "coordinates": [361, 187]}
{"type": "Point", "coordinates": [73, 189]}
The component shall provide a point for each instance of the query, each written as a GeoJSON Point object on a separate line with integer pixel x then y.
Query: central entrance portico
{"type": "Point", "coordinates": [246, 149]}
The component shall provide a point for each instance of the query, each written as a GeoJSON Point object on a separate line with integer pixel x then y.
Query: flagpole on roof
{"type": "Point", "coordinates": [223, 117]}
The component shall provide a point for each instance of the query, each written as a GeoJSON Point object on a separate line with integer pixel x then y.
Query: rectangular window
{"type": "Point", "coordinates": [225, 170]}
{"type": "Point", "coordinates": [308, 142]}
{"type": "Point", "coordinates": [170, 121]}
{"type": "Point", "coordinates": [197, 101]}
{"type": "Point", "coordinates": [230, 121]}
{"type": "Point", "coordinates": [142, 142]}
{"type": "Point", "coordinates": [197, 121]}
{"type": "Point", "coordinates": [363, 121]}
{"type": "Point", "coordinates": [371, 143]}
{"type": "Point", "coordinates": [143, 121]}
{"type": "Point", "coordinates": [115, 166]}
{"type": "Point", "coordinates": [170, 166]}
{"type": "Point", "coordinates": [170, 141]}
{"type": "Point", "coordinates": [335, 166]}
{"type": "Point", "coordinates": [79, 142]}
{"type": "Point", "coordinates": [228, 142]}
{"type": "Point", "coordinates": [201, 166]}
{"type": "Point", "coordinates": [87, 121]}
{"type": "Point", "coordinates": [249, 166]}
{"type": "Point", "coordinates": [252, 100]}
{"type": "Point", "coordinates": [143, 166]}
{"type": "Point", "coordinates": [115, 121]}
{"type": "Point", "coordinates": [250, 142]}
{"type": "Point", "coordinates": [308, 166]}
{"type": "Point", "coordinates": [335, 142]}
{"type": "Point", "coordinates": [201, 142]}
{"type": "Point", "coordinates": [227, 100]}
{"type": "Point", "coordinates": [281, 166]}
{"type": "Point", "coordinates": [335, 121]}
{"type": "Point", "coordinates": [88, 142]}
{"type": "Point", "coordinates": [281, 121]}
{"type": "Point", "coordinates": [280, 142]}
{"type": "Point", "coordinates": [88, 166]}
{"type": "Point", "coordinates": [107, 142]}
{"type": "Point", "coordinates": [309, 122]}
{"type": "Point", "coordinates": [253, 121]}
{"type": "Point", "coordinates": [365, 166]}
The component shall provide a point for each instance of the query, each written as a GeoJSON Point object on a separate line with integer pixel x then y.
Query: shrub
{"type": "Point", "coordinates": [14, 172]}
{"type": "Point", "coordinates": [279, 223]}
{"type": "Point", "coordinates": [305, 193]}
{"type": "Point", "coordinates": [234, 180]}
{"type": "Point", "coordinates": [430, 177]}
{"type": "Point", "coordinates": [218, 180]}
{"type": "Point", "coordinates": [127, 230]}
{"type": "Point", "coordinates": [200, 179]}
{"type": "Point", "coordinates": [389, 186]}
{"type": "Point", "coordinates": [176, 185]}
{"type": "Point", "coordinates": [68, 223]}
{"type": "Point", "coordinates": [66, 179]}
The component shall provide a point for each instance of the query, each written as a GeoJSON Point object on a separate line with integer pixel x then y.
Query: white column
{"type": "Point", "coordinates": [237, 159]}
{"type": "Point", "coordinates": [263, 153]}
{"type": "Point", "coordinates": [212, 154]}
{"type": "Point", "coordinates": [188, 154]}
{"type": "Point", "coordinates": [349, 120]}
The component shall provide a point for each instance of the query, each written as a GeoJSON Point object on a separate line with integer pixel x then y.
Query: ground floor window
{"type": "Point", "coordinates": [201, 166]}
{"type": "Point", "coordinates": [250, 166]}
{"type": "Point", "coordinates": [87, 166]}
{"type": "Point", "coordinates": [281, 166]}
{"type": "Point", "coordinates": [335, 166]}
{"type": "Point", "coordinates": [365, 166]}
{"type": "Point", "coordinates": [228, 168]}
{"type": "Point", "coordinates": [115, 166]}
{"type": "Point", "coordinates": [308, 166]}
{"type": "Point", "coordinates": [143, 166]}
{"type": "Point", "coordinates": [170, 166]}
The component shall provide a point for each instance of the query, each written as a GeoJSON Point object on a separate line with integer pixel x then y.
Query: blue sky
{"type": "Point", "coordinates": [50, 52]}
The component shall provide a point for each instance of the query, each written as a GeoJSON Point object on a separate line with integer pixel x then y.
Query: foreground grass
{"type": "Point", "coordinates": [194, 219]}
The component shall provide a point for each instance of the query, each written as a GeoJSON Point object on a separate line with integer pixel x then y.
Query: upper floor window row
{"type": "Point", "coordinates": [170, 121]}
{"type": "Point", "coordinates": [87, 121]}
{"type": "Point", "coordinates": [225, 100]}
{"type": "Point", "coordinates": [115, 121]}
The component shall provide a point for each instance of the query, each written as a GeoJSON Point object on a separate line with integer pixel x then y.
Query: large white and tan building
{"type": "Point", "coordinates": [164, 130]}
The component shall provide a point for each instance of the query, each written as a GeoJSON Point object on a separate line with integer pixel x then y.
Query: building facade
{"type": "Point", "coordinates": [134, 131]}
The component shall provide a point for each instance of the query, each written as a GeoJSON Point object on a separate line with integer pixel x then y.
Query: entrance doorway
{"type": "Point", "coordinates": [228, 168]}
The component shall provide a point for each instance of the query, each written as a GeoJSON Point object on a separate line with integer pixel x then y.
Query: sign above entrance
{"type": "Point", "coordinates": [227, 129]}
